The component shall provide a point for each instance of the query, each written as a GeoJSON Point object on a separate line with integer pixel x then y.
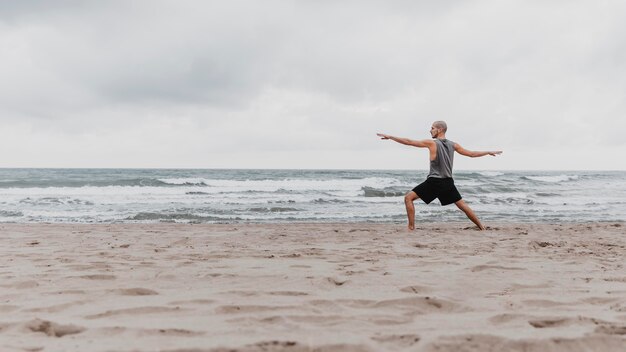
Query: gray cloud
{"type": "Point", "coordinates": [313, 76]}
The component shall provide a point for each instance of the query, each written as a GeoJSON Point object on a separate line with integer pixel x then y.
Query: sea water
{"type": "Point", "coordinates": [238, 196]}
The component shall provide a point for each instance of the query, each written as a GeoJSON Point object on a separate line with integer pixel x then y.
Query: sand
{"type": "Point", "coordinates": [312, 287]}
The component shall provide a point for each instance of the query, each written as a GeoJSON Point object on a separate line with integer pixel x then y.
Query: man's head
{"type": "Point", "coordinates": [438, 129]}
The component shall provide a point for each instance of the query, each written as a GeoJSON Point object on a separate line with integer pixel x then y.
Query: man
{"type": "Point", "coordinates": [439, 183]}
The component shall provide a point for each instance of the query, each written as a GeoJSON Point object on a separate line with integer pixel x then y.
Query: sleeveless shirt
{"type": "Point", "coordinates": [441, 167]}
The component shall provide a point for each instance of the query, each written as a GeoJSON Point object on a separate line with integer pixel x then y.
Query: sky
{"type": "Point", "coordinates": [308, 84]}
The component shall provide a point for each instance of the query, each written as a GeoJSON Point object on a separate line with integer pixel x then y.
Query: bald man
{"type": "Point", "coordinates": [439, 183]}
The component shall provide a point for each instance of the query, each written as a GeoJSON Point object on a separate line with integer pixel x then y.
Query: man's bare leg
{"type": "Point", "coordinates": [470, 213]}
{"type": "Point", "coordinates": [410, 208]}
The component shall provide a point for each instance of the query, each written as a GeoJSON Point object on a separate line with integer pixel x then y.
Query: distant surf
{"type": "Point", "coordinates": [233, 196]}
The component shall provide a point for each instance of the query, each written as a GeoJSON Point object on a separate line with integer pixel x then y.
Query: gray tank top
{"type": "Point", "coordinates": [441, 167]}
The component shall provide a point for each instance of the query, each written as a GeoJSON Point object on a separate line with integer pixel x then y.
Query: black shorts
{"type": "Point", "coordinates": [442, 188]}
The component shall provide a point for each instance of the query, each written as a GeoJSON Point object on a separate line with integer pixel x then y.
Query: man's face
{"type": "Point", "coordinates": [434, 131]}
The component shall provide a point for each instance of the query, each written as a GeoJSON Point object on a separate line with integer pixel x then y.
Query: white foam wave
{"type": "Point", "coordinates": [183, 181]}
{"type": "Point", "coordinates": [286, 184]}
{"type": "Point", "coordinates": [553, 179]}
{"type": "Point", "coordinates": [211, 197]}
{"type": "Point", "coordinates": [491, 173]}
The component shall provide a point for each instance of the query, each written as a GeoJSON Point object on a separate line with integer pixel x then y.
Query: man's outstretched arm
{"type": "Point", "coordinates": [422, 144]}
{"type": "Point", "coordinates": [473, 154]}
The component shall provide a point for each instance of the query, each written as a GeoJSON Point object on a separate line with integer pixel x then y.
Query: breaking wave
{"type": "Point", "coordinates": [552, 179]}
{"type": "Point", "coordinates": [217, 196]}
{"type": "Point", "coordinates": [384, 192]}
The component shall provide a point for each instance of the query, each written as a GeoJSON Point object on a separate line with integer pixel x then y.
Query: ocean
{"type": "Point", "coordinates": [241, 196]}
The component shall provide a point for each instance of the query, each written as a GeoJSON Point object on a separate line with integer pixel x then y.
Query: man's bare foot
{"type": "Point", "coordinates": [482, 228]}
{"type": "Point", "coordinates": [411, 227]}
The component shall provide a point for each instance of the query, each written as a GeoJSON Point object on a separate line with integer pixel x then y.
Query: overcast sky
{"type": "Point", "coordinates": [308, 84]}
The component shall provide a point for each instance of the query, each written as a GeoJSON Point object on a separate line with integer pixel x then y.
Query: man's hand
{"type": "Point", "coordinates": [498, 152]}
{"type": "Point", "coordinates": [382, 136]}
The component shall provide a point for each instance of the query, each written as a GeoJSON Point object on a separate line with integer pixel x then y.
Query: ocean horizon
{"type": "Point", "coordinates": [119, 195]}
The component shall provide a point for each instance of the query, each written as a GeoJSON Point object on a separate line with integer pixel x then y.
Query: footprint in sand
{"type": "Point", "coordinates": [287, 293]}
{"type": "Point", "coordinates": [98, 277]}
{"type": "Point", "coordinates": [52, 329]}
{"type": "Point", "coordinates": [297, 347]}
{"type": "Point", "coordinates": [565, 321]}
{"type": "Point", "coordinates": [133, 311]}
{"type": "Point", "coordinates": [357, 272]}
{"type": "Point", "coordinates": [406, 340]}
{"type": "Point", "coordinates": [422, 305]}
{"type": "Point", "coordinates": [615, 279]}
{"type": "Point", "coordinates": [243, 293]}
{"type": "Point", "coordinates": [507, 318]}
{"type": "Point", "coordinates": [169, 332]}
{"type": "Point", "coordinates": [493, 267]}
{"type": "Point", "coordinates": [192, 302]}
{"type": "Point", "coordinates": [550, 323]}
{"type": "Point", "coordinates": [275, 319]}
{"type": "Point", "coordinates": [274, 345]}
{"type": "Point", "coordinates": [137, 291]}
{"type": "Point", "coordinates": [361, 230]}
{"type": "Point", "coordinates": [67, 292]}
{"type": "Point", "coordinates": [417, 289]}
{"type": "Point", "coordinates": [611, 329]}
{"type": "Point", "coordinates": [413, 305]}
{"type": "Point", "coordinates": [487, 343]}
{"type": "Point", "coordinates": [336, 281]}
{"type": "Point", "coordinates": [250, 309]}
{"type": "Point", "coordinates": [618, 307]}
{"type": "Point", "coordinates": [600, 300]}
{"type": "Point", "coordinates": [543, 244]}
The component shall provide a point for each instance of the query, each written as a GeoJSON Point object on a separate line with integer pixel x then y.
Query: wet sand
{"type": "Point", "coordinates": [312, 287]}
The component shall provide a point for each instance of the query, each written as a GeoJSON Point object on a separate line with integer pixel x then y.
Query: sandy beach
{"type": "Point", "coordinates": [312, 287]}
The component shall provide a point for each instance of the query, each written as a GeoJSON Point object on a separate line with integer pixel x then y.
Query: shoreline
{"type": "Point", "coordinates": [304, 286]}
{"type": "Point", "coordinates": [429, 223]}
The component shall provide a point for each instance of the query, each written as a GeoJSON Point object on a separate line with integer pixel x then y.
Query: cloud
{"type": "Point", "coordinates": [310, 77]}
